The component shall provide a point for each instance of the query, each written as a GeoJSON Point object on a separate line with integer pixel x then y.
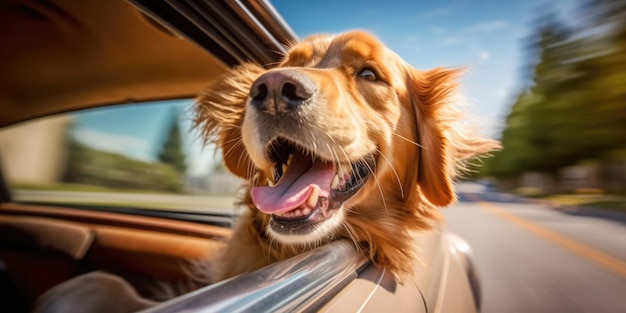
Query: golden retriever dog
{"type": "Point", "coordinates": [342, 139]}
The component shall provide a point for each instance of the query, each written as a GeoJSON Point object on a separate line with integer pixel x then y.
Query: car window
{"type": "Point", "coordinates": [143, 155]}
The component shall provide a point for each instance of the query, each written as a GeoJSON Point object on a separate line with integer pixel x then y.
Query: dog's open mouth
{"type": "Point", "coordinates": [307, 189]}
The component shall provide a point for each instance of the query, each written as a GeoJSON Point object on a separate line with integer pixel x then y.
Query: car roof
{"type": "Point", "coordinates": [64, 55]}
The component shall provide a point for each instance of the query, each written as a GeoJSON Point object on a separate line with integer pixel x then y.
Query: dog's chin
{"type": "Point", "coordinates": [309, 230]}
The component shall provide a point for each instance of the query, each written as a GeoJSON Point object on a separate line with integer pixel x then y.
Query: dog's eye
{"type": "Point", "coordinates": [368, 74]}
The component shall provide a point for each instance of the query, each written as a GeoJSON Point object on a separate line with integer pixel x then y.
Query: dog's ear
{"type": "Point", "coordinates": [430, 92]}
{"type": "Point", "coordinates": [220, 111]}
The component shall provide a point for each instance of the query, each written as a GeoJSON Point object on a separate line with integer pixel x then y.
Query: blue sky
{"type": "Point", "coordinates": [484, 36]}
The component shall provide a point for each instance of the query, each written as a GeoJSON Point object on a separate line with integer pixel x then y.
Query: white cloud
{"type": "Point", "coordinates": [484, 55]}
{"type": "Point", "coordinates": [451, 41]}
{"type": "Point", "coordinates": [133, 147]}
{"type": "Point", "coordinates": [437, 12]}
{"type": "Point", "coordinates": [487, 27]}
{"type": "Point", "coordinates": [437, 30]}
{"type": "Point", "coordinates": [412, 38]}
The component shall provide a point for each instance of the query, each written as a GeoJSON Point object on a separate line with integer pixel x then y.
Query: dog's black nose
{"type": "Point", "coordinates": [281, 91]}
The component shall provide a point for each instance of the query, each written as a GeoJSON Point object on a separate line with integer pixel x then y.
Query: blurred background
{"type": "Point", "coordinates": [546, 216]}
{"type": "Point", "coordinates": [565, 131]}
{"type": "Point", "coordinates": [547, 78]}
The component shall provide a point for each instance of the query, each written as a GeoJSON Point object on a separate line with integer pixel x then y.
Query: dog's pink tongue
{"type": "Point", "coordinates": [295, 186]}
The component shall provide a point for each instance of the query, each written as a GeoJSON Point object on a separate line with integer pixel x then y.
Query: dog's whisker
{"type": "Point", "coordinates": [227, 153]}
{"type": "Point", "coordinates": [356, 243]}
{"type": "Point", "coordinates": [378, 185]}
{"type": "Point", "coordinates": [333, 154]}
{"type": "Point", "coordinates": [229, 127]}
{"type": "Point", "coordinates": [251, 174]}
{"type": "Point", "coordinates": [252, 178]}
{"type": "Point", "coordinates": [409, 140]}
{"type": "Point", "coordinates": [251, 168]}
{"type": "Point", "coordinates": [241, 156]}
{"type": "Point", "coordinates": [233, 140]}
{"type": "Point", "coordinates": [239, 160]}
{"type": "Point", "coordinates": [269, 250]}
{"type": "Point", "coordinates": [343, 151]}
{"type": "Point", "coordinates": [394, 172]}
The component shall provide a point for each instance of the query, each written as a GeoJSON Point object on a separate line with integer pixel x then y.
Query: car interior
{"type": "Point", "coordinates": [44, 246]}
{"type": "Point", "coordinates": [68, 55]}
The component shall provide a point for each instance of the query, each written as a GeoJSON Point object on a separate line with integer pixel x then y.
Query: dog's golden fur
{"type": "Point", "coordinates": [405, 117]}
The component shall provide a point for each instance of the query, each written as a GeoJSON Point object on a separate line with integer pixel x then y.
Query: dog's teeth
{"type": "Point", "coordinates": [270, 182]}
{"type": "Point", "coordinates": [306, 211]}
{"type": "Point", "coordinates": [335, 183]}
{"type": "Point", "coordinates": [289, 159]}
{"type": "Point", "coordinates": [284, 168]}
{"type": "Point", "coordinates": [312, 201]}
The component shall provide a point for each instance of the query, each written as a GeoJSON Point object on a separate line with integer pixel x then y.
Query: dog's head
{"type": "Point", "coordinates": [342, 138]}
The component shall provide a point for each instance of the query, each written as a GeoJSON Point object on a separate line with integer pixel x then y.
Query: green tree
{"type": "Point", "coordinates": [172, 150]}
{"type": "Point", "coordinates": [95, 167]}
{"type": "Point", "coordinates": [515, 156]}
{"type": "Point", "coordinates": [605, 112]}
{"type": "Point", "coordinates": [532, 139]}
{"type": "Point", "coordinates": [574, 107]}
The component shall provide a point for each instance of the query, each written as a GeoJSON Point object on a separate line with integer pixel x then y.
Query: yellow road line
{"type": "Point", "coordinates": [613, 264]}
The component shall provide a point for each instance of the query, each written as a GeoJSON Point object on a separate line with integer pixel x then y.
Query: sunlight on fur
{"type": "Point", "coordinates": [342, 139]}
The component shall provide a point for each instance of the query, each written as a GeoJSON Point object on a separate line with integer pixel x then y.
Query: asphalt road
{"type": "Point", "coordinates": [536, 258]}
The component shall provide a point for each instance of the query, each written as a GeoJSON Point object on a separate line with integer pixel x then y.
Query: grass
{"type": "Point", "coordinates": [136, 198]}
{"type": "Point", "coordinates": [589, 197]}
{"type": "Point", "coordinates": [61, 187]}
{"type": "Point", "coordinates": [82, 188]}
{"type": "Point", "coordinates": [600, 201]}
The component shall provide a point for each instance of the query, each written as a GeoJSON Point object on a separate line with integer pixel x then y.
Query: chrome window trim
{"type": "Point", "coordinates": [302, 283]}
{"type": "Point", "coordinates": [270, 17]}
{"type": "Point", "coordinates": [235, 31]}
